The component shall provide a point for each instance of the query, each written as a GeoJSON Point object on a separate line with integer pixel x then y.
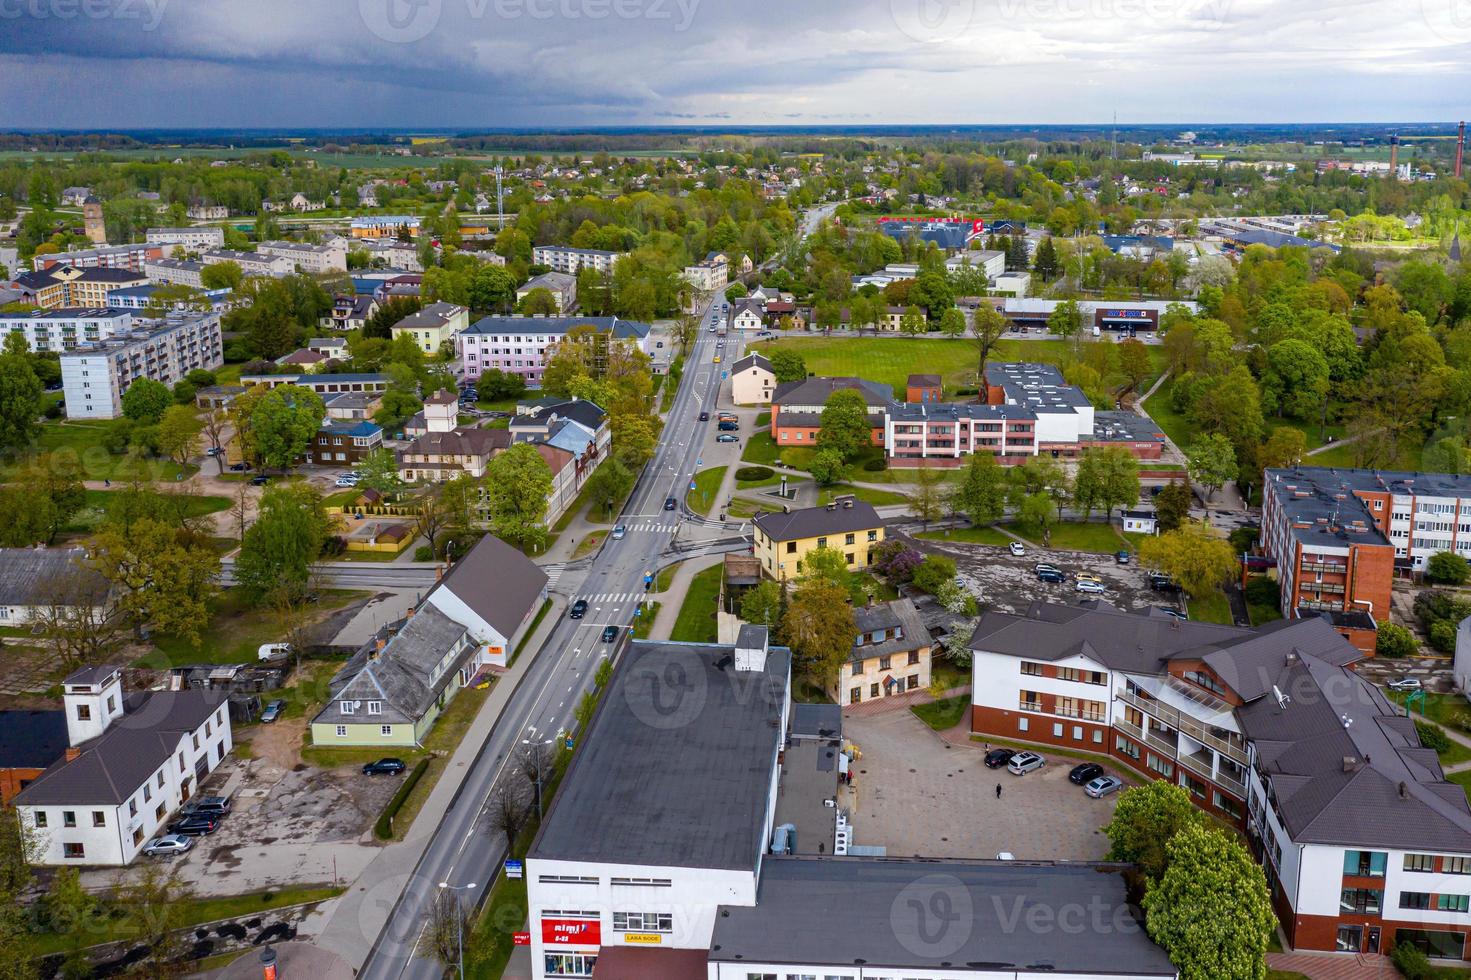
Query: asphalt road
{"type": "Point", "coordinates": [463, 848]}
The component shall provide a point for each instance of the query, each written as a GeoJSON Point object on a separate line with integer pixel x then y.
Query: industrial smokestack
{"type": "Point", "coordinates": [1460, 146]}
{"type": "Point", "coordinates": [1394, 156]}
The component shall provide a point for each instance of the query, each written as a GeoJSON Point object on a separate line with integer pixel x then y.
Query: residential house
{"type": "Point", "coordinates": [385, 226]}
{"type": "Point", "coordinates": [349, 313]}
{"type": "Point", "coordinates": [323, 384]}
{"type": "Point", "coordinates": [752, 380]}
{"type": "Point", "coordinates": [353, 406]}
{"type": "Point", "coordinates": [333, 347]}
{"type": "Point", "coordinates": [130, 257]}
{"type": "Point", "coordinates": [75, 196]}
{"type": "Point", "coordinates": [444, 449]}
{"type": "Point", "coordinates": [710, 274]}
{"type": "Point", "coordinates": [433, 326]}
{"type": "Point", "coordinates": [891, 654]}
{"type": "Point", "coordinates": [561, 258]}
{"type": "Point", "coordinates": [747, 313]}
{"type": "Point", "coordinates": [62, 286]}
{"type": "Point", "coordinates": [343, 443]}
{"type": "Point", "coordinates": [132, 760]}
{"type": "Point", "coordinates": [392, 691]}
{"type": "Point", "coordinates": [572, 436]}
{"type": "Point", "coordinates": [64, 329]}
{"type": "Point", "coordinates": [251, 263]}
{"type": "Point", "coordinates": [192, 239]}
{"type": "Point", "coordinates": [796, 408]}
{"type": "Point", "coordinates": [307, 361]}
{"type": "Point", "coordinates": [562, 286]}
{"type": "Point", "coordinates": [208, 212]}
{"type": "Point", "coordinates": [36, 582]}
{"type": "Point", "coordinates": [523, 344]}
{"type": "Point", "coordinates": [331, 256]}
{"type": "Point", "coordinates": [847, 525]}
{"type": "Point", "coordinates": [180, 272]}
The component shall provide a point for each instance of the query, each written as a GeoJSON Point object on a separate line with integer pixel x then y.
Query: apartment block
{"type": "Point", "coordinates": [562, 258]}
{"type": "Point", "coordinates": [251, 263]}
{"type": "Point", "coordinates": [521, 344]}
{"type": "Point", "coordinates": [65, 329]}
{"type": "Point", "coordinates": [129, 257]}
{"type": "Point", "coordinates": [384, 226]}
{"type": "Point", "coordinates": [180, 272]}
{"type": "Point", "coordinates": [193, 239]}
{"type": "Point", "coordinates": [328, 257]}
{"type": "Point", "coordinates": [94, 376]}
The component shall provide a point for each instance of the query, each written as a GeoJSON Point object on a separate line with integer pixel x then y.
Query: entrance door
{"type": "Point", "coordinates": [1371, 945]}
{"type": "Point", "coordinates": [1350, 939]}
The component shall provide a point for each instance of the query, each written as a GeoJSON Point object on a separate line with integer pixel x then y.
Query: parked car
{"type": "Point", "coordinates": [1043, 566]}
{"type": "Point", "coordinates": [1173, 613]}
{"type": "Point", "coordinates": [213, 451]}
{"type": "Point", "coordinates": [727, 437]}
{"type": "Point", "coordinates": [270, 651]}
{"type": "Point", "coordinates": [1084, 772]}
{"type": "Point", "coordinates": [1102, 786]}
{"type": "Point", "coordinates": [195, 826]}
{"type": "Point", "coordinates": [578, 610]}
{"type": "Point", "coordinates": [1025, 762]}
{"type": "Point", "coordinates": [1121, 557]}
{"type": "Point", "coordinates": [1051, 575]}
{"type": "Point", "coordinates": [1089, 577]}
{"type": "Point", "coordinates": [670, 503]}
{"type": "Point", "coordinates": [384, 767]}
{"type": "Point", "coordinates": [997, 758]}
{"type": "Point", "coordinates": [619, 530]}
{"type": "Point", "coordinates": [610, 633]}
{"type": "Point", "coordinates": [1405, 684]}
{"type": "Point", "coordinates": [728, 425]}
{"type": "Point", "coordinates": [206, 806]}
{"type": "Point", "coordinates": [343, 483]}
{"type": "Point", "coordinates": [1162, 583]}
{"type": "Point", "coordinates": [1017, 549]}
{"type": "Point", "coordinates": [1090, 588]}
{"type": "Point", "coordinates": [273, 711]}
{"type": "Point", "coordinates": [704, 416]}
{"type": "Point", "coordinates": [168, 845]}
{"type": "Point", "coordinates": [239, 467]}
{"type": "Point", "coordinates": [259, 481]}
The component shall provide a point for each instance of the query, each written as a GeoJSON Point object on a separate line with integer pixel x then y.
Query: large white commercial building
{"type": "Point", "coordinates": [65, 329]}
{"type": "Point", "coordinates": [328, 257]}
{"type": "Point", "coordinates": [563, 258]}
{"type": "Point", "coordinates": [251, 263]}
{"type": "Point", "coordinates": [95, 376]}
{"type": "Point", "coordinates": [179, 272]}
{"type": "Point", "coordinates": [193, 239]}
{"type": "Point", "coordinates": [134, 759]}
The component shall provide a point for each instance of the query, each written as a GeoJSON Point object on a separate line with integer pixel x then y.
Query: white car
{"type": "Point", "coordinates": [1024, 762]}
{"type": "Point", "coordinates": [1405, 684]}
{"type": "Point", "coordinates": [343, 483]}
{"type": "Point", "coordinates": [168, 845]}
{"type": "Point", "coordinates": [619, 531]}
{"type": "Point", "coordinates": [1017, 549]}
{"type": "Point", "coordinates": [270, 651]}
{"type": "Point", "coordinates": [1091, 588]}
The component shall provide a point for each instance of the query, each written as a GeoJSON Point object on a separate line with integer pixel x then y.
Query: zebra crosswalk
{"type": "Point", "coordinates": [611, 597]}
{"type": "Point", "coordinates": [647, 526]}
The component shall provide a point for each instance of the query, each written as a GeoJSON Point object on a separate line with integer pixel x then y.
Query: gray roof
{"type": "Point", "coordinates": [1039, 386]}
{"type": "Point", "coordinates": [30, 576]}
{"type": "Point", "coordinates": [541, 417]}
{"type": "Point", "coordinates": [880, 902]}
{"type": "Point", "coordinates": [674, 777]}
{"type": "Point", "coordinates": [844, 515]}
{"type": "Point", "coordinates": [499, 584]}
{"type": "Point", "coordinates": [31, 739]}
{"type": "Point", "coordinates": [1325, 499]}
{"type": "Point", "coordinates": [889, 616]}
{"type": "Point", "coordinates": [750, 361]}
{"type": "Point", "coordinates": [955, 411]}
{"type": "Point", "coordinates": [816, 391]}
{"type": "Point", "coordinates": [433, 316]}
{"type": "Point", "coordinates": [527, 325]}
{"type": "Point", "coordinates": [114, 764]}
{"type": "Point", "coordinates": [402, 675]}
{"type": "Point", "coordinates": [816, 721]}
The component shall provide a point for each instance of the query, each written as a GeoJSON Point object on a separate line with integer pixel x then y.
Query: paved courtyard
{"type": "Point", "coordinates": [919, 795]}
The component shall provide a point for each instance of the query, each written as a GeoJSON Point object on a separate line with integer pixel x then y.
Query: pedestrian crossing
{"type": "Point", "coordinates": [647, 526]}
{"type": "Point", "coordinates": [611, 597]}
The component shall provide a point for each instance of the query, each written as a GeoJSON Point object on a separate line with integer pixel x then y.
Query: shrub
{"type": "Point", "coordinates": [1433, 605]}
{"type": "Point", "coordinates": [1262, 591]}
{"type": "Point", "coordinates": [1411, 961]}
{"type": "Point", "coordinates": [423, 553]}
{"type": "Point", "coordinates": [1432, 737]}
{"type": "Point", "coordinates": [1443, 636]}
{"type": "Point", "coordinates": [1447, 567]}
{"type": "Point", "coordinates": [384, 827]}
{"type": "Point", "coordinates": [934, 573]}
{"type": "Point", "coordinates": [876, 465]}
{"type": "Point", "coordinates": [754, 473]}
{"type": "Point", "coordinates": [1395, 641]}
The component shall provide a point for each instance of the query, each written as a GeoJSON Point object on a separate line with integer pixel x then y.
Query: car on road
{"type": "Point", "coordinates": [727, 437]}
{"type": "Point", "coordinates": [1090, 588]}
{"type": "Point", "coordinates": [384, 767]}
{"type": "Point", "coordinates": [578, 610]}
{"type": "Point", "coordinates": [1051, 575]}
{"type": "Point", "coordinates": [1016, 548]}
{"type": "Point", "coordinates": [239, 467]}
{"type": "Point", "coordinates": [716, 359]}
{"type": "Point", "coordinates": [1025, 762]}
{"type": "Point", "coordinates": [728, 425]}
{"type": "Point", "coordinates": [997, 758]}
{"type": "Point", "coordinates": [704, 416]}
{"type": "Point", "coordinates": [1102, 786]}
{"type": "Point", "coordinates": [619, 530]}
{"type": "Point", "coordinates": [168, 845]}
{"type": "Point", "coordinates": [1121, 557]}
{"type": "Point", "coordinates": [1084, 772]}
{"type": "Point", "coordinates": [670, 503]}
{"type": "Point", "coordinates": [1405, 684]}
{"type": "Point", "coordinates": [610, 633]}
{"type": "Point", "coordinates": [273, 711]}
{"type": "Point", "coordinates": [195, 826]}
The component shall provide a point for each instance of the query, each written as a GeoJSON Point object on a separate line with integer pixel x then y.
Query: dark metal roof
{"type": "Point", "coordinates": [31, 739]}
{"type": "Point", "coordinates": [32, 576]}
{"type": "Point", "coordinates": [843, 515]}
{"type": "Point", "coordinates": [499, 584]}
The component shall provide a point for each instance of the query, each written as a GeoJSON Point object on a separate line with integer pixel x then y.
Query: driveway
{"type": "Point", "coordinates": [917, 794]}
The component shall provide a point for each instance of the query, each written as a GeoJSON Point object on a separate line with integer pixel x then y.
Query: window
{"type": "Point", "coordinates": [111, 704]}
{"type": "Point", "coordinates": [147, 792]}
{"type": "Point", "coordinates": [639, 882]}
{"type": "Point", "coordinates": [1365, 864]}
{"type": "Point", "coordinates": [857, 667]}
{"type": "Point", "coordinates": [1420, 862]}
{"type": "Point", "coordinates": [1453, 903]}
{"type": "Point", "coordinates": [84, 712]}
{"type": "Point", "coordinates": [884, 662]}
{"type": "Point", "coordinates": [1414, 900]}
{"type": "Point", "coordinates": [791, 547]}
{"type": "Point", "coordinates": [70, 850]}
{"type": "Point", "coordinates": [1160, 766]}
{"type": "Point", "coordinates": [572, 964]}
{"type": "Point", "coordinates": [1455, 866]}
{"type": "Point", "coordinates": [132, 808]}
{"type": "Point", "coordinates": [1031, 669]}
{"type": "Point", "coordinates": [1361, 901]}
{"type": "Point", "coordinates": [572, 880]}
{"type": "Point", "coordinates": [40, 818]}
{"type": "Point", "coordinates": [912, 682]}
{"type": "Point", "coordinates": [385, 730]}
{"type": "Point", "coordinates": [1436, 943]}
{"type": "Point", "coordinates": [873, 690]}
{"type": "Point", "coordinates": [873, 535]}
{"type": "Point", "coordinates": [99, 818]}
{"type": "Point", "coordinates": [160, 779]}
{"type": "Point", "coordinates": [68, 818]}
{"type": "Point", "coordinates": [1022, 724]}
{"type": "Point", "coordinates": [375, 707]}
{"type": "Point", "coordinates": [348, 707]}
{"type": "Point", "coordinates": [822, 542]}
{"type": "Point", "coordinates": [1057, 730]}
{"type": "Point", "coordinates": [159, 812]}
{"type": "Point", "coordinates": [341, 731]}
{"type": "Point", "coordinates": [643, 921]}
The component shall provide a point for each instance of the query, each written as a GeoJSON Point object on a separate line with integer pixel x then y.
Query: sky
{"type": "Point", "coordinates": [131, 64]}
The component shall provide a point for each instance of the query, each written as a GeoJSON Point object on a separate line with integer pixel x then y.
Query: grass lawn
{"type": "Point", "coordinates": [1262, 614]}
{"type": "Point", "coordinates": [696, 622]}
{"type": "Point", "coordinates": [968, 535]}
{"type": "Point", "coordinates": [236, 630]}
{"type": "Point", "coordinates": [589, 544]}
{"type": "Point", "coordinates": [707, 485]}
{"type": "Point", "coordinates": [665, 578]}
{"type": "Point", "coordinates": [1181, 431]}
{"type": "Point", "coordinates": [741, 508]}
{"type": "Point", "coordinates": [760, 448]}
{"type": "Point", "coordinates": [644, 623]}
{"type": "Point", "coordinates": [194, 912]}
{"type": "Point", "coordinates": [1211, 609]}
{"type": "Point", "coordinates": [1462, 779]}
{"type": "Point", "coordinates": [1286, 975]}
{"type": "Point", "coordinates": [82, 441]}
{"type": "Point", "coordinates": [1450, 710]}
{"type": "Point", "coordinates": [878, 498]}
{"type": "Point", "coordinates": [892, 360]}
{"type": "Point", "coordinates": [1337, 456]}
{"type": "Point", "coordinates": [98, 501]}
{"type": "Point", "coordinates": [448, 731]}
{"type": "Point", "coordinates": [763, 420]}
{"type": "Point", "coordinates": [1077, 536]}
{"type": "Point", "coordinates": [769, 481]}
{"type": "Point", "coordinates": [943, 714]}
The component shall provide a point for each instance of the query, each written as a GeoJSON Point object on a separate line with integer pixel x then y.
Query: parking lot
{"type": "Point", "coordinates": [1007, 583]}
{"type": "Point", "coordinates": [916, 794]}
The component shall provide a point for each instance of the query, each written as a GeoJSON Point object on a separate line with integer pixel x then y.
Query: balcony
{"type": "Point", "coordinates": [1186, 724]}
{"type": "Point", "coordinates": [1325, 567]}
{"type": "Point", "coordinates": [1157, 741]}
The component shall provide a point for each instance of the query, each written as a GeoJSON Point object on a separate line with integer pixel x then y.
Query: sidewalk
{"type": "Point", "coordinates": [894, 702]}
{"type": "Point", "coordinates": [1333, 966]}
{"type": "Point", "coordinates": [672, 599]}
{"type": "Point", "coordinates": [350, 924]}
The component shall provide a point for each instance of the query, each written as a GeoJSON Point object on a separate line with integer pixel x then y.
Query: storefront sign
{"type": "Point", "coordinates": [521, 938]}
{"type": "Point", "coordinates": [571, 932]}
{"type": "Point", "coordinates": [643, 938]}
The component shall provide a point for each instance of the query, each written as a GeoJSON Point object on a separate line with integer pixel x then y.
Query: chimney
{"type": "Point", "coordinates": [750, 649]}
{"type": "Point", "coordinates": [378, 646]}
{"type": "Point", "coordinates": [1393, 155]}
{"type": "Point", "coordinates": [1350, 763]}
{"type": "Point", "coordinates": [1404, 791]}
{"type": "Point", "coordinates": [73, 753]}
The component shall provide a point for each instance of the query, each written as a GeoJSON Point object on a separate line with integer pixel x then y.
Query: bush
{"type": "Point", "coordinates": [1443, 636]}
{"type": "Point", "coordinates": [423, 553]}
{"type": "Point", "coordinates": [54, 410]}
{"type": "Point", "coordinates": [1447, 567]}
{"type": "Point", "coordinates": [754, 473]}
{"type": "Point", "coordinates": [1411, 961]}
{"type": "Point", "coordinates": [384, 827]}
{"type": "Point", "coordinates": [1395, 641]}
{"type": "Point", "coordinates": [934, 573]}
{"type": "Point", "coordinates": [1433, 605]}
{"type": "Point", "coordinates": [876, 465]}
{"type": "Point", "coordinates": [1432, 737]}
{"type": "Point", "coordinates": [1262, 591]}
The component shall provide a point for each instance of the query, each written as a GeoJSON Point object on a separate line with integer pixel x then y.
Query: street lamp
{"type": "Point", "coordinates": [537, 759]}
{"type": "Point", "coordinates": [460, 919]}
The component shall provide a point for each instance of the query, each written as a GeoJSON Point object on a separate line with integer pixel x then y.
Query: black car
{"type": "Point", "coordinates": [1048, 575]}
{"type": "Point", "coordinates": [196, 825]}
{"type": "Point", "coordinates": [384, 767]}
{"type": "Point", "coordinates": [1163, 583]}
{"type": "Point", "coordinates": [669, 503]}
{"type": "Point", "coordinates": [1085, 773]}
{"type": "Point", "coordinates": [578, 610]}
{"type": "Point", "coordinates": [239, 467]}
{"type": "Point", "coordinates": [610, 633]}
{"type": "Point", "coordinates": [259, 481]}
{"type": "Point", "coordinates": [704, 416]}
{"type": "Point", "coordinates": [998, 758]}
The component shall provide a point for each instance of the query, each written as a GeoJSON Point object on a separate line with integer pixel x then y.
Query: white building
{"type": "Point", "coordinates": [34, 582]}
{"type": "Point", "coordinates": [328, 257]}
{"type": "Point", "coordinates": [561, 285]}
{"type": "Point", "coordinates": [563, 258]}
{"type": "Point", "coordinates": [208, 212]}
{"type": "Point", "coordinates": [130, 257]}
{"type": "Point", "coordinates": [748, 314]}
{"type": "Point", "coordinates": [64, 329]}
{"type": "Point", "coordinates": [95, 376]}
{"type": "Point", "coordinates": [251, 263]}
{"type": "Point", "coordinates": [711, 274]}
{"type": "Point", "coordinates": [392, 252]}
{"type": "Point", "coordinates": [181, 272]}
{"type": "Point", "coordinates": [134, 758]}
{"type": "Point", "coordinates": [384, 225]}
{"type": "Point", "coordinates": [193, 239]}
{"type": "Point", "coordinates": [521, 344]}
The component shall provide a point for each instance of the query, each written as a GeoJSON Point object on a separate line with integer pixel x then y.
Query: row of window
{"type": "Point", "coordinates": [1033, 669]}
{"type": "Point", "coordinates": [885, 662]}
{"type": "Point", "coordinates": [349, 707]}
{"type": "Point", "coordinates": [384, 730]}
{"type": "Point", "coordinates": [593, 880]}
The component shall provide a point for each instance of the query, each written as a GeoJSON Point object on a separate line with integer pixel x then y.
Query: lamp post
{"type": "Point", "coordinates": [459, 919]}
{"type": "Point", "coordinates": [537, 760]}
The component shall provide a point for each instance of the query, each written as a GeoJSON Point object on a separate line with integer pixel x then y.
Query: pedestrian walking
{"type": "Point", "coordinates": [998, 791]}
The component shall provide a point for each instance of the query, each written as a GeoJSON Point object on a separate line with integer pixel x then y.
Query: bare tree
{"type": "Point", "coordinates": [509, 811]}
{"type": "Point", "coordinates": [216, 421]}
{"type": "Point", "coordinates": [445, 919]}
{"type": "Point", "coordinates": [156, 900]}
{"type": "Point", "coordinates": [535, 763]}
{"type": "Point", "coordinates": [240, 510]}
{"type": "Point", "coordinates": [82, 624]}
{"type": "Point", "coordinates": [928, 499]}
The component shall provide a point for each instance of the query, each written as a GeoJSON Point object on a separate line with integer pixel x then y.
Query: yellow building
{"type": "Point", "coordinates": [434, 326]}
{"type": "Point", "coordinates": [847, 525]}
{"type": "Point", "coordinates": [891, 655]}
{"type": "Point", "coordinates": [63, 286]}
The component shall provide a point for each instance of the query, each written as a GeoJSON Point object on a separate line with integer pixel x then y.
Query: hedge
{"type": "Point", "coordinates": [383, 829]}
{"type": "Point", "coordinates": [754, 473]}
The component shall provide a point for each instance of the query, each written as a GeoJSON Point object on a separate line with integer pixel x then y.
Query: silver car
{"type": "Point", "coordinates": [1025, 762]}
{"type": "Point", "coordinates": [1102, 786]}
{"type": "Point", "coordinates": [168, 845]}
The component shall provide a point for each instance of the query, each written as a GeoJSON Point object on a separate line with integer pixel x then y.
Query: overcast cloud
{"type": "Point", "coordinates": [469, 63]}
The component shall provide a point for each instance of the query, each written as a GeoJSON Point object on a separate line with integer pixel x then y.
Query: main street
{"type": "Point", "coordinates": [463, 848]}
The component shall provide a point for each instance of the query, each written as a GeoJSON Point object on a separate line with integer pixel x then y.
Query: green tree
{"type": "Point", "coordinates": [1212, 461]}
{"type": "Point", "coordinates": [819, 627]}
{"type": "Point", "coordinates": [493, 288]}
{"type": "Point", "coordinates": [1035, 511]}
{"type": "Point", "coordinates": [20, 399]}
{"type": "Point", "coordinates": [1296, 379]}
{"type": "Point", "coordinates": [845, 427]}
{"type": "Point", "coordinates": [612, 482]}
{"type": "Point", "coordinates": [1172, 505]}
{"type": "Point", "coordinates": [146, 400]}
{"type": "Point", "coordinates": [934, 572]}
{"type": "Point", "coordinates": [1210, 911]}
{"type": "Point", "coordinates": [221, 275]}
{"type": "Point", "coordinates": [1134, 363]}
{"type": "Point", "coordinates": [825, 565]}
{"type": "Point", "coordinates": [1143, 822]}
{"type": "Point", "coordinates": [283, 422]}
{"type": "Point", "coordinates": [1395, 642]}
{"type": "Point", "coordinates": [1448, 568]}
{"type": "Point", "coordinates": [390, 312]}
{"type": "Point", "coordinates": [981, 493]}
{"type": "Point", "coordinates": [163, 577]}
{"type": "Point", "coordinates": [986, 328]}
{"type": "Point", "coordinates": [828, 467]}
{"type": "Point", "coordinates": [1193, 557]}
{"type": "Point", "coordinates": [1066, 320]}
{"type": "Point", "coordinates": [289, 534]}
{"type": "Point", "coordinates": [178, 433]}
{"type": "Point", "coordinates": [928, 500]}
{"type": "Point", "coordinates": [952, 323]}
{"type": "Point", "coordinates": [1286, 446]}
{"type": "Point", "coordinates": [1046, 264]}
{"type": "Point", "coordinates": [912, 322]}
{"type": "Point", "coordinates": [762, 604]}
{"type": "Point", "coordinates": [379, 471]}
{"type": "Point", "coordinates": [519, 484]}
{"type": "Point", "coordinates": [538, 302]}
{"type": "Point", "coordinates": [787, 366]}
